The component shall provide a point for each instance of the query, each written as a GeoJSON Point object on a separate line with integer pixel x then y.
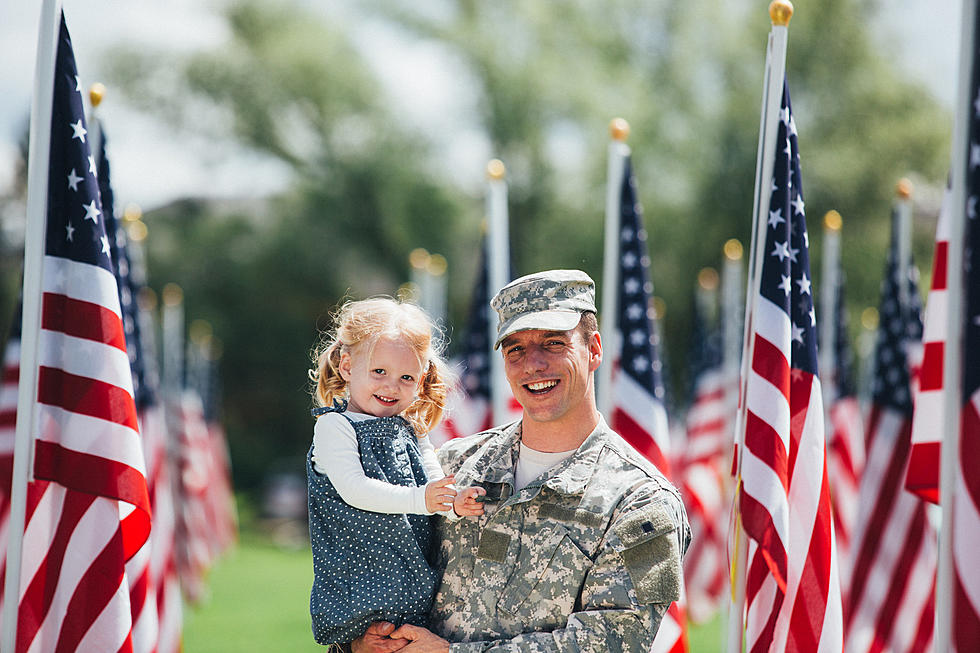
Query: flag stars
{"type": "Point", "coordinates": [798, 205]}
{"type": "Point", "coordinates": [78, 84]}
{"type": "Point", "coordinates": [634, 311]}
{"type": "Point", "coordinates": [813, 317]}
{"type": "Point", "coordinates": [974, 155]}
{"type": "Point", "coordinates": [786, 285]}
{"type": "Point", "coordinates": [629, 260]}
{"type": "Point", "coordinates": [971, 207]}
{"type": "Point", "coordinates": [79, 130]}
{"type": "Point", "coordinates": [804, 284]}
{"type": "Point", "coordinates": [73, 180]}
{"type": "Point", "coordinates": [105, 244]}
{"type": "Point", "coordinates": [784, 116]}
{"type": "Point", "coordinates": [91, 164]}
{"type": "Point", "coordinates": [69, 232]}
{"type": "Point", "coordinates": [781, 250]}
{"type": "Point", "coordinates": [775, 218]}
{"type": "Point", "coordinates": [631, 285]}
{"type": "Point", "coordinates": [91, 212]}
{"type": "Point", "coordinates": [798, 333]}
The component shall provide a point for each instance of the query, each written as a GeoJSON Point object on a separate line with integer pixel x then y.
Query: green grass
{"type": "Point", "coordinates": [259, 601]}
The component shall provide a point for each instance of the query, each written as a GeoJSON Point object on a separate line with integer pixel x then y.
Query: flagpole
{"type": "Point", "coordinates": [953, 352]}
{"type": "Point", "coordinates": [34, 237]}
{"type": "Point", "coordinates": [619, 131]}
{"type": "Point", "coordinates": [903, 229]}
{"type": "Point", "coordinates": [830, 281]}
{"type": "Point", "coordinates": [95, 94]}
{"type": "Point", "coordinates": [498, 275]}
{"type": "Point", "coordinates": [780, 12]}
{"type": "Point", "coordinates": [732, 285]}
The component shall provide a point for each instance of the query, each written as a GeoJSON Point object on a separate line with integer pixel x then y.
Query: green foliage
{"type": "Point", "coordinates": [290, 84]}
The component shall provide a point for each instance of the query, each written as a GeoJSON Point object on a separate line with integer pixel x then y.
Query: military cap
{"type": "Point", "coordinates": [553, 300]}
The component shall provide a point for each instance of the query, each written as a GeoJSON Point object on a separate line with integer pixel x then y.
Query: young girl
{"type": "Point", "coordinates": [372, 472]}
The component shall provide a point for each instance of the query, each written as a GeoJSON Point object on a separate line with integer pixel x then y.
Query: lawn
{"type": "Point", "coordinates": [258, 601]}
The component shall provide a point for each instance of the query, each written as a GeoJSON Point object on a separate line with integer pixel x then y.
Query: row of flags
{"type": "Point", "coordinates": [115, 496]}
{"type": "Point", "coordinates": [817, 537]}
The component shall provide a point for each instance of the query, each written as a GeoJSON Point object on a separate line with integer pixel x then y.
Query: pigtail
{"type": "Point", "coordinates": [328, 383]}
{"type": "Point", "coordinates": [424, 414]}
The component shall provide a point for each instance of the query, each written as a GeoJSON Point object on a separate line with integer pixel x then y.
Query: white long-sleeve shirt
{"type": "Point", "coordinates": [336, 454]}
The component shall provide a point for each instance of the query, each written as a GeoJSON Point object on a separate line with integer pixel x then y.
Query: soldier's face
{"type": "Point", "coordinates": [550, 372]}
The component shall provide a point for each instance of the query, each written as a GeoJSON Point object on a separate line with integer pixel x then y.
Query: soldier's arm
{"type": "Point", "coordinates": [632, 582]}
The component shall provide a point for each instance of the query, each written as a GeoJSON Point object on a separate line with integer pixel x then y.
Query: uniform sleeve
{"type": "Point", "coordinates": [336, 455]}
{"type": "Point", "coordinates": [628, 589]}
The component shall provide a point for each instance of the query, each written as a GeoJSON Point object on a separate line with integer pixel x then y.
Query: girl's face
{"type": "Point", "coordinates": [382, 381]}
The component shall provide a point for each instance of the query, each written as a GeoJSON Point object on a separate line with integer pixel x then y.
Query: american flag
{"type": "Point", "coordinates": [8, 419]}
{"type": "Point", "coordinates": [704, 472]}
{"type": "Point", "coordinates": [922, 477]}
{"type": "Point", "coordinates": [471, 408]}
{"type": "Point", "coordinates": [892, 585]}
{"type": "Point", "coordinates": [141, 594]}
{"type": "Point", "coordinates": [845, 445]}
{"type": "Point", "coordinates": [792, 583]}
{"type": "Point", "coordinates": [88, 510]}
{"type": "Point", "coordinates": [638, 410]}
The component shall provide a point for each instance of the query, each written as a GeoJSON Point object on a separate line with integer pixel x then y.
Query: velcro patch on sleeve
{"type": "Point", "coordinates": [493, 546]}
{"type": "Point", "coordinates": [651, 553]}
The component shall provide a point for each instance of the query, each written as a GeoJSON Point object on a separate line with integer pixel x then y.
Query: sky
{"type": "Point", "coordinates": [151, 166]}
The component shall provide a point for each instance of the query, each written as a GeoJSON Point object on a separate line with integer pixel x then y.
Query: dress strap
{"type": "Point", "coordinates": [339, 406]}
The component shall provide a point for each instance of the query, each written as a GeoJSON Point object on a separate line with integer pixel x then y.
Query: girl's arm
{"type": "Point", "coordinates": [430, 461]}
{"type": "Point", "coordinates": [336, 455]}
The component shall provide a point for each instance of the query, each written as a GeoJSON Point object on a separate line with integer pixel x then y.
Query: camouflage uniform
{"type": "Point", "coordinates": [587, 558]}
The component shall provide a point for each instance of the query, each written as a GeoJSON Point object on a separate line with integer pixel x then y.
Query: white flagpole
{"type": "Point", "coordinates": [780, 12]}
{"type": "Point", "coordinates": [829, 282]}
{"type": "Point", "coordinates": [498, 276]}
{"type": "Point", "coordinates": [619, 131]}
{"type": "Point", "coordinates": [34, 237]}
{"type": "Point", "coordinates": [953, 353]}
{"type": "Point", "coordinates": [95, 94]}
{"type": "Point", "coordinates": [903, 229]}
{"type": "Point", "coordinates": [732, 307]}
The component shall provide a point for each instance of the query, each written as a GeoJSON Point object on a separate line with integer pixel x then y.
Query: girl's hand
{"type": "Point", "coordinates": [466, 504]}
{"type": "Point", "coordinates": [439, 494]}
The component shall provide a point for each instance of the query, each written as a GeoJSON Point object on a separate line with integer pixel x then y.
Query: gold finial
{"type": "Point", "coordinates": [172, 294]}
{"type": "Point", "coordinates": [903, 188]}
{"type": "Point", "coordinates": [869, 318]}
{"type": "Point", "coordinates": [200, 332]}
{"type": "Point", "coordinates": [147, 299]}
{"type": "Point", "coordinates": [619, 129]}
{"type": "Point", "coordinates": [496, 170]}
{"type": "Point", "coordinates": [708, 278]}
{"type": "Point", "coordinates": [733, 249]}
{"type": "Point", "coordinates": [136, 230]}
{"type": "Point", "coordinates": [832, 220]}
{"type": "Point", "coordinates": [132, 212]}
{"type": "Point", "coordinates": [95, 94]}
{"type": "Point", "coordinates": [419, 258]}
{"type": "Point", "coordinates": [437, 265]}
{"type": "Point", "coordinates": [780, 11]}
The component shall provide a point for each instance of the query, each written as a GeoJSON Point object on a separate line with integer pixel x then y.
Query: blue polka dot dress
{"type": "Point", "coordinates": [369, 566]}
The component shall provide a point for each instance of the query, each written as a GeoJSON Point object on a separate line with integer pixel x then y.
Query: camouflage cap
{"type": "Point", "coordinates": [553, 300]}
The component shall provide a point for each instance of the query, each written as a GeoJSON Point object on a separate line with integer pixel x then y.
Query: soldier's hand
{"type": "Point", "coordinates": [376, 639]}
{"type": "Point", "coordinates": [465, 503]}
{"type": "Point", "coordinates": [439, 494]}
{"type": "Point", "coordinates": [421, 640]}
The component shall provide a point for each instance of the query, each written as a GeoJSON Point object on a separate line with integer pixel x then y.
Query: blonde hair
{"type": "Point", "coordinates": [360, 323]}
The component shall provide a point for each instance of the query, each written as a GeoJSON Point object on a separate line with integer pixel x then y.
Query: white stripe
{"type": "Point", "coordinates": [918, 591]}
{"type": "Point", "coordinates": [966, 529]}
{"type": "Point", "coordinates": [889, 422]}
{"type": "Point", "coordinates": [934, 325]}
{"type": "Point", "coordinates": [112, 626]}
{"type": "Point", "coordinates": [82, 281]}
{"type": "Point", "coordinates": [39, 533]}
{"type": "Point", "coordinates": [761, 483]}
{"type": "Point", "coordinates": [773, 324]}
{"type": "Point", "coordinates": [644, 409]}
{"type": "Point", "coordinates": [832, 633]}
{"type": "Point", "coordinates": [87, 358]}
{"type": "Point", "coordinates": [11, 355]}
{"type": "Point", "coordinates": [91, 435]}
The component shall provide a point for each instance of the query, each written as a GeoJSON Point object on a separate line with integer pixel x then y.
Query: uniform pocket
{"type": "Point", "coordinates": [546, 583]}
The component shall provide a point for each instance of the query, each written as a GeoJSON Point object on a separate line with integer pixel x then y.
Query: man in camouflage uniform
{"type": "Point", "coordinates": [586, 555]}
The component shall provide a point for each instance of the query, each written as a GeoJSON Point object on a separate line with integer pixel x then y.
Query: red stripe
{"type": "Point", "coordinates": [801, 385]}
{"type": "Point", "coordinates": [922, 641]}
{"type": "Point", "coordinates": [931, 371]}
{"type": "Point", "coordinates": [970, 450]}
{"type": "Point", "coordinates": [79, 394]}
{"type": "Point", "coordinates": [966, 622]}
{"type": "Point", "coordinates": [11, 374]}
{"type": "Point", "coordinates": [8, 419]}
{"type": "Point", "coordinates": [640, 439]}
{"type": "Point", "coordinates": [93, 593]}
{"type": "Point", "coordinates": [138, 592]}
{"type": "Point", "coordinates": [877, 523]}
{"type": "Point", "coordinates": [36, 602]}
{"type": "Point", "coordinates": [91, 474]}
{"type": "Point", "coordinates": [940, 265]}
{"type": "Point", "coordinates": [922, 477]}
{"type": "Point", "coordinates": [769, 362]}
{"type": "Point", "coordinates": [764, 442]}
{"type": "Point", "coordinates": [82, 319]}
{"type": "Point", "coordinates": [758, 525]}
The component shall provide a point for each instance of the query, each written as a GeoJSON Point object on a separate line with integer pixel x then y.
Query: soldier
{"type": "Point", "coordinates": [579, 547]}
